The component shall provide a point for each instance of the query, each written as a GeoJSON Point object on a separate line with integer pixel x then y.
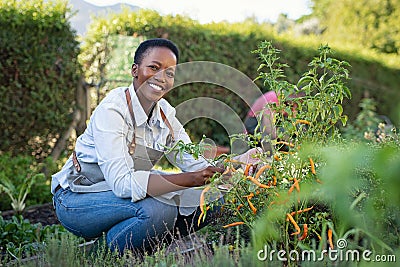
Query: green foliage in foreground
{"type": "Point", "coordinates": [19, 238]}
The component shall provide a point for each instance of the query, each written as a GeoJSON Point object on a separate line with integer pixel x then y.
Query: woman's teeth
{"type": "Point", "coordinates": [155, 87]}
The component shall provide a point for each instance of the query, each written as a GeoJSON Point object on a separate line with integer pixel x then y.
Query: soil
{"type": "Point", "coordinates": [43, 214]}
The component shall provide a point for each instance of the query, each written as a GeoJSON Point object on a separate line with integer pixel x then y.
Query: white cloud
{"type": "Point", "coordinates": [218, 10]}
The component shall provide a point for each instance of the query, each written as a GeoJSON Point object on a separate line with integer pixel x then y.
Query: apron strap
{"type": "Point", "coordinates": [171, 131]}
{"type": "Point", "coordinates": [129, 103]}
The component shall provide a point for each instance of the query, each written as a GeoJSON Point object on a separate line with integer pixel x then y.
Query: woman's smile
{"type": "Point", "coordinates": [155, 86]}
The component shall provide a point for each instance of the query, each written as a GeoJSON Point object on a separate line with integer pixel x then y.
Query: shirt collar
{"type": "Point", "coordinates": [140, 114]}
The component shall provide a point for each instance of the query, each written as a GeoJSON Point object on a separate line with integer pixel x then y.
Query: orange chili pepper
{"type": "Point", "coordinates": [239, 207]}
{"type": "Point", "coordinates": [229, 169]}
{"type": "Point", "coordinates": [254, 209]}
{"type": "Point", "coordinates": [233, 224]}
{"type": "Point", "coordinates": [302, 121]}
{"type": "Point", "coordinates": [261, 170]}
{"type": "Point", "coordinates": [277, 158]}
{"type": "Point", "coordinates": [247, 169]}
{"type": "Point", "coordinates": [294, 185]}
{"type": "Point", "coordinates": [296, 226]}
{"type": "Point", "coordinates": [256, 182]}
{"type": "Point", "coordinates": [312, 166]}
{"type": "Point", "coordinates": [301, 211]}
{"type": "Point", "coordinates": [305, 231]}
{"type": "Point", "coordinates": [285, 143]}
{"type": "Point", "coordinates": [232, 161]}
{"type": "Point", "coordinates": [330, 238]}
{"type": "Point", "coordinates": [250, 195]}
{"type": "Point", "coordinates": [274, 178]}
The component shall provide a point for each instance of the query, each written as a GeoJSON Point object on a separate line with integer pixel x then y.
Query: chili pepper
{"type": "Point", "coordinates": [246, 170]}
{"type": "Point", "coordinates": [261, 170]}
{"type": "Point", "coordinates": [274, 178]}
{"type": "Point", "coordinates": [319, 237]}
{"type": "Point", "coordinates": [202, 197]}
{"type": "Point", "coordinates": [301, 211]}
{"type": "Point", "coordinates": [254, 209]}
{"type": "Point", "coordinates": [226, 170]}
{"type": "Point", "coordinates": [233, 224]}
{"type": "Point", "coordinates": [294, 185]}
{"type": "Point", "coordinates": [229, 169]}
{"type": "Point", "coordinates": [330, 238]}
{"type": "Point", "coordinates": [296, 226]}
{"type": "Point", "coordinates": [305, 231]}
{"type": "Point", "coordinates": [256, 182]}
{"type": "Point", "coordinates": [239, 207]}
{"type": "Point", "coordinates": [312, 166]}
{"type": "Point", "coordinates": [285, 143]}
{"type": "Point", "coordinates": [250, 195]}
{"type": "Point", "coordinates": [277, 158]}
{"type": "Point", "coordinates": [232, 161]}
{"type": "Point", "coordinates": [199, 220]}
{"type": "Point", "coordinates": [302, 121]}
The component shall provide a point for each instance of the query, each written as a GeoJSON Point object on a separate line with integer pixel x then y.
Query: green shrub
{"type": "Point", "coordinates": [39, 74]}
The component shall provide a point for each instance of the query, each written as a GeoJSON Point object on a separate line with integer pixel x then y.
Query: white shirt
{"type": "Point", "coordinates": [105, 141]}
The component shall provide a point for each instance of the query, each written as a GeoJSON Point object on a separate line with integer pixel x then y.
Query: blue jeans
{"type": "Point", "coordinates": [126, 224]}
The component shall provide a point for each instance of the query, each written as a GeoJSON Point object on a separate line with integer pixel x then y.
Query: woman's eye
{"type": "Point", "coordinates": [152, 67]}
{"type": "Point", "coordinates": [170, 74]}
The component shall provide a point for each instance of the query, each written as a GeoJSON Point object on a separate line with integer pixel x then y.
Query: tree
{"type": "Point", "coordinates": [371, 23]}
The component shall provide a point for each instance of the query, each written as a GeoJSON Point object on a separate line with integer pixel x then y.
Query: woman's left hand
{"type": "Point", "coordinates": [249, 157]}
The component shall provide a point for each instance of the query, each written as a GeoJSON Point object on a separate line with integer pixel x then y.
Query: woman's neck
{"type": "Point", "coordinates": [147, 106]}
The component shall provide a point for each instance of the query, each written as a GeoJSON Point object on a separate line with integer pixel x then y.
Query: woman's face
{"type": "Point", "coordinates": [154, 76]}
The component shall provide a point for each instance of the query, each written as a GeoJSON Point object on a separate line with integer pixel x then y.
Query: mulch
{"type": "Point", "coordinates": [43, 214]}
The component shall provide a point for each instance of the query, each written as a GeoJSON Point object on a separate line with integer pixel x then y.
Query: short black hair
{"type": "Point", "coordinates": [155, 42]}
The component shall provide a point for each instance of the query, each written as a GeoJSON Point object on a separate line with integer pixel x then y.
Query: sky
{"type": "Point", "coordinates": [206, 11]}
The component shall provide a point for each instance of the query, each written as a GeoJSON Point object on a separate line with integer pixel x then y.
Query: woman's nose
{"type": "Point", "coordinates": [160, 76]}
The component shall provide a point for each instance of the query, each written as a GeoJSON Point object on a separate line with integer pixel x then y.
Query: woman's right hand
{"type": "Point", "coordinates": [202, 177]}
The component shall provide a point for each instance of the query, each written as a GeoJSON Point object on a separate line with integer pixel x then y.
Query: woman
{"type": "Point", "coordinates": [108, 185]}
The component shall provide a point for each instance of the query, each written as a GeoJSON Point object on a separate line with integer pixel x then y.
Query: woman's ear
{"type": "Point", "coordinates": [134, 70]}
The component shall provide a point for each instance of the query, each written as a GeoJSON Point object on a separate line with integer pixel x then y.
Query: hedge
{"type": "Point", "coordinates": [39, 73]}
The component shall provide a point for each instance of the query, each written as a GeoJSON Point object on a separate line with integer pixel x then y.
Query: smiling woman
{"type": "Point", "coordinates": [108, 184]}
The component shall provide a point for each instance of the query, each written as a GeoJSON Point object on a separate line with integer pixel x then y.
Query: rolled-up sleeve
{"type": "Point", "coordinates": [111, 134]}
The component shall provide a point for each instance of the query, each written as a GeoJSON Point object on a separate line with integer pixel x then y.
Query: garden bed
{"type": "Point", "coordinates": [43, 214]}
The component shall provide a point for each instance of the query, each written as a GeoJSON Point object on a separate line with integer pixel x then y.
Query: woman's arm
{"type": "Point", "coordinates": [161, 184]}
